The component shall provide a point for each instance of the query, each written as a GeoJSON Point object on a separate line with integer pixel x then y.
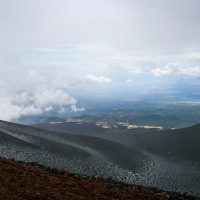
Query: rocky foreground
{"type": "Point", "coordinates": [20, 180]}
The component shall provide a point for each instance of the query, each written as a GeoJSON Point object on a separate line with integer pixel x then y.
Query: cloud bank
{"type": "Point", "coordinates": [100, 79]}
{"type": "Point", "coordinates": [53, 51]}
{"type": "Point", "coordinates": [176, 69]}
{"type": "Point", "coordinates": [26, 91]}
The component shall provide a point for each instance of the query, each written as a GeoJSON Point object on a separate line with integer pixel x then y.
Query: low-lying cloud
{"type": "Point", "coordinates": [13, 106]}
{"type": "Point", "coordinates": [26, 91]}
{"type": "Point", "coordinates": [52, 51]}
{"type": "Point", "coordinates": [100, 79]}
{"type": "Point", "coordinates": [176, 69]}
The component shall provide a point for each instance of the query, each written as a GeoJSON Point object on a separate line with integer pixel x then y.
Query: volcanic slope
{"type": "Point", "coordinates": [165, 159]}
{"type": "Point", "coordinates": [179, 144]}
{"type": "Point", "coordinates": [176, 145]}
{"type": "Point", "coordinates": [76, 153]}
{"type": "Point", "coordinates": [173, 155]}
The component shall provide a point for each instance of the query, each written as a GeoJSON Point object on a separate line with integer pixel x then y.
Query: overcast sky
{"type": "Point", "coordinates": [53, 51]}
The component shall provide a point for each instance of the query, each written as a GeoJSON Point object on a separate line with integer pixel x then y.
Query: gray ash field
{"type": "Point", "coordinates": [158, 159]}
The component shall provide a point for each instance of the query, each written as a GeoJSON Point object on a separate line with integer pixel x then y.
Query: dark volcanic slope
{"type": "Point", "coordinates": [182, 144]}
{"type": "Point", "coordinates": [76, 153]}
{"type": "Point", "coordinates": [174, 152]}
{"type": "Point", "coordinates": [166, 159]}
{"type": "Point", "coordinates": [179, 144]}
{"type": "Point", "coordinates": [71, 127]}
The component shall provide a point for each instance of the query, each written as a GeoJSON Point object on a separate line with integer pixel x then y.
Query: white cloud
{"type": "Point", "coordinates": [28, 91]}
{"type": "Point", "coordinates": [191, 71]}
{"type": "Point", "coordinates": [10, 111]}
{"type": "Point", "coordinates": [75, 109]}
{"type": "Point", "coordinates": [129, 81]}
{"type": "Point", "coordinates": [168, 23]}
{"type": "Point", "coordinates": [53, 97]}
{"type": "Point", "coordinates": [161, 71]}
{"type": "Point", "coordinates": [175, 69]}
{"type": "Point", "coordinates": [34, 83]}
{"type": "Point", "coordinates": [100, 79]}
{"type": "Point", "coordinates": [49, 108]}
{"type": "Point", "coordinates": [195, 55]}
{"type": "Point", "coordinates": [14, 106]}
{"type": "Point", "coordinates": [48, 46]}
{"type": "Point", "coordinates": [136, 71]}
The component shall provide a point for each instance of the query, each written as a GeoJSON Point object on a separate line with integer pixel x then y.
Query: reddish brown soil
{"type": "Point", "coordinates": [20, 180]}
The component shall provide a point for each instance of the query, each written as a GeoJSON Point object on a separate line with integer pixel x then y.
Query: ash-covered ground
{"type": "Point", "coordinates": [139, 159]}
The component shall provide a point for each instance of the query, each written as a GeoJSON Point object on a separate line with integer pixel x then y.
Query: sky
{"type": "Point", "coordinates": [53, 52]}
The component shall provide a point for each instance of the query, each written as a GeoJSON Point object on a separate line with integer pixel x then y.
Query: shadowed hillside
{"type": "Point", "coordinates": [166, 159]}
{"type": "Point", "coordinates": [179, 144]}
{"type": "Point", "coordinates": [182, 144]}
{"type": "Point", "coordinates": [78, 153]}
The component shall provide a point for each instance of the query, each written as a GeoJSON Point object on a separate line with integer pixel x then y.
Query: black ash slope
{"type": "Point", "coordinates": [80, 154]}
{"type": "Point", "coordinates": [159, 158]}
{"type": "Point", "coordinates": [174, 155]}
